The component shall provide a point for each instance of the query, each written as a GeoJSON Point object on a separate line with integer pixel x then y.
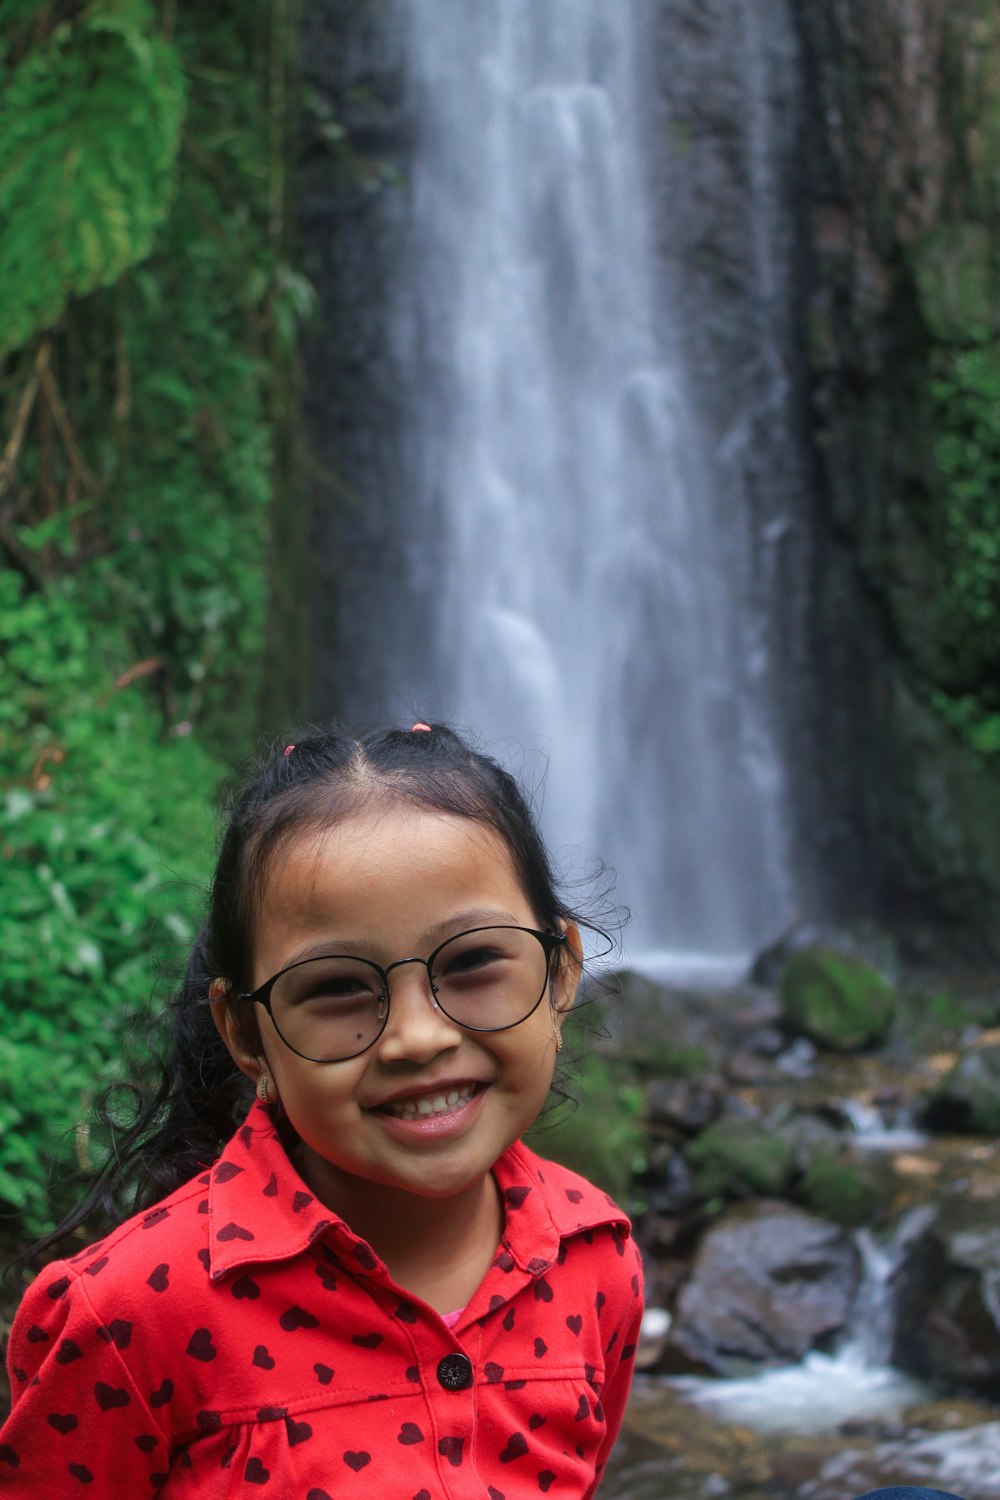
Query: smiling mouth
{"type": "Point", "coordinates": [428, 1105]}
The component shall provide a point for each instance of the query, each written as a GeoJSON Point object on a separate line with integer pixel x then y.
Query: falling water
{"type": "Point", "coordinates": [827, 1390]}
{"type": "Point", "coordinates": [589, 588]}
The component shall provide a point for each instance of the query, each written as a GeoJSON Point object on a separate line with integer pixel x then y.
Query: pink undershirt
{"type": "Point", "coordinates": [452, 1318]}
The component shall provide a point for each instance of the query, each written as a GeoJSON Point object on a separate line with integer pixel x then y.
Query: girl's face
{"type": "Point", "coordinates": [389, 884]}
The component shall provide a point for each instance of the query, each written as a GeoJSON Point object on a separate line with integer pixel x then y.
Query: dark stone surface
{"type": "Point", "coordinates": [968, 1098]}
{"type": "Point", "coordinates": [353, 222]}
{"type": "Point", "coordinates": [887, 156]}
{"type": "Point", "coordinates": [686, 1105]}
{"type": "Point", "coordinates": [769, 1283]}
{"type": "Point", "coordinates": [948, 1311]}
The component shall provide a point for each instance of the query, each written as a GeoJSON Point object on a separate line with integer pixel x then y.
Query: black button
{"type": "Point", "coordinates": [455, 1372]}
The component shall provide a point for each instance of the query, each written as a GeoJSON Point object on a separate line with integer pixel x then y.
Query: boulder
{"type": "Point", "coordinates": [968, 1098]}
{"type": "Point", "coordinates": [948, 1297]}
{"type": "Point", "coordinates": [839, 1189]}
{"type": "Point", "coordinates": [739, 1159]}
{"type": "Point", "coordinates": [769, 1283]}
{"type": "Point", "coordinates": [685, 1105]}
{"type": "Point", "coordinates": [839, 1001]}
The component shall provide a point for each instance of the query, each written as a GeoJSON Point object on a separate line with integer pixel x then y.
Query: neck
{"type": "Point", "coordinates": [436, 1248]}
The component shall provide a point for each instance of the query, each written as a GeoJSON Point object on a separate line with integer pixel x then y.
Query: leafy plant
{"type": "Point", "coordinates": [89, 130]}
{"type": "Point", "coordinates": [136, 488]}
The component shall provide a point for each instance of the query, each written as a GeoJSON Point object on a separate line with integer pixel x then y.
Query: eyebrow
{"type": "Point", "coordinates": [465, 921]}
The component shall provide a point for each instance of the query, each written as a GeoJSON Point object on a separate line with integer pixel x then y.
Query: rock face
{"type": "Point", "coordinates": [354, 231]}
{"type": "Point", "coordinates": [968, 1098]}
{"type": "Point", "coordinates": [948, 1307]}
{"type": "Point", "coordinates": [899, 171]}
{"type": "Point", "coordinates": [769, 1284]}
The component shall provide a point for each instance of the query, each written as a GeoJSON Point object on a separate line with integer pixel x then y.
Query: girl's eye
{"type": "Point", "coordinates": [339, 989]}
{"type": "Point", "coordinates": [473, 958]}
{"type": "Point", "coordinates": [330, 985]}
{"type": "Point", "coordinates": [477, 962]}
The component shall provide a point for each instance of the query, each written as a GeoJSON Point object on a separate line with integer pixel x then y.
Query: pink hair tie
{"type": "Point", "coordinates": [426, 728]}
{"type": "Point", "coordinates": [288, 750]}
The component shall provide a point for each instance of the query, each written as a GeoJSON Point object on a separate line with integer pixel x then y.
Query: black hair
{"type": "Point", "coordinates": [180, 1123]}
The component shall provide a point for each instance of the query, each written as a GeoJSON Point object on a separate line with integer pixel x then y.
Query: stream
{"type": "Point", "coordinates": [844, 1421]}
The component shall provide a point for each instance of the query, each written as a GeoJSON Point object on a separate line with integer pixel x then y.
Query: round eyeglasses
{"type": "Point", "coordinates": [333, 1008]}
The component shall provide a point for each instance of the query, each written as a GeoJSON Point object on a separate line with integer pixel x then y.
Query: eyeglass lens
{"type": "Point", "coordinates": [330, 1009]}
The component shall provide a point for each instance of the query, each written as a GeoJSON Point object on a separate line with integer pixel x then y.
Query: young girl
{"type": "Point", "coordinates": [367, 1286]}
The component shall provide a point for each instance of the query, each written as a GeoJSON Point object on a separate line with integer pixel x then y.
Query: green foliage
{"type": "Point", "coordinates": [966, 392]}
{"type": "Point", "coordinates": [599, 1131]}
{"type": "Point", "coordinates": [956, 268]}
{"type": "Point", "coordinates": [137, 491]}
{"type": "Point", "coordinates": [103, 848]}
{"type": "Point", "coordinates": [89, 129]}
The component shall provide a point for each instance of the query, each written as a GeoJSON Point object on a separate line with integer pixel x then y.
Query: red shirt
{"type": "Point", "coordinates": [240, 1338]}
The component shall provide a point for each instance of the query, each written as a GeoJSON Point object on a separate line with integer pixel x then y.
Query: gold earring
{"type": "Point", "coordinates": [264, 1086]}
{"type": "Point", "coordinates": [559, 1039]}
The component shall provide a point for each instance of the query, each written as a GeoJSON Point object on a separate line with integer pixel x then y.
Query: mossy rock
{"type": "Point", "coordinates": [732, 1159]}
{"type": "Point", "coordinates": [968, 1098]}
{"type": "Point", "coordinates": [838, 1190]}
{"type": "Point", "coordinates": [955, 270]}
{"type": "Point", "coordinates": [839, 1001]}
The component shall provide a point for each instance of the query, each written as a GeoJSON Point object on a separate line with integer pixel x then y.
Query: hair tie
{"type": "Point", "coordinates": [288, 750]}
{"type": "Point", "coordinates": [418, 728]}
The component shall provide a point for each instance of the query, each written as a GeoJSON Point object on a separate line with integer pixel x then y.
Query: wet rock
{"type": "Point", "coordinates": [768, 1041]}
{"type": "Point", "coordinates": [684, 1104]}
{"type": "Point", "coordinates": [798, 1060]}
{"type": "Point", "coordinates": [662, 1234]}
{"type": "Point", "coordinates": [968, 1098]}
{"type": "Point", "coordinates": [838, 1000]}
{"type": "Point", "coordinates": [652, 1337]}
{"type": "Point", "coordinates": [669, 1188]}
{"type": "Point", "coordinates": [769, 1283]}
{"type": "Point", "coordinates": [863, 941]}
{"type": "Point", "coordinates": [948, 1297]}
{"type": "Point", "coordinates": [749, 1069]}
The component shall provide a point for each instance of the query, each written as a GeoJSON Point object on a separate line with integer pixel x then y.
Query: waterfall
{"type": "Point", "coordinates": [578, 582]}
{"type": "Point", "coordinates": [827, 1390]}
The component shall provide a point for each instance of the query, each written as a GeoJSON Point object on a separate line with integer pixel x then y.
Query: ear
{"type": "Point", "coordinates": [242, 1042]}
{"type": "Point", "coordinates": [569, 973]}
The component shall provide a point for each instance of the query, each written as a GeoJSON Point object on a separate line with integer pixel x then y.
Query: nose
{"type": "Point", "coordinates": [416, 1030]}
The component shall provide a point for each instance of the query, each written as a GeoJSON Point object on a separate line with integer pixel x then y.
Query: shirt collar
{"type": "Point", "coordinates": [260, 1209]}
{"type": "Point", "coordinates": [545, 1204]}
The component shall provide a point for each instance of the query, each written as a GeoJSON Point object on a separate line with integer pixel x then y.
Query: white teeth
{"type": "Point", "coordinates": [429, 1104]}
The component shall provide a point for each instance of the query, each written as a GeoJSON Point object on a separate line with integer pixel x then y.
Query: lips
{"type": "Point", "coordinates": [425, 1106]}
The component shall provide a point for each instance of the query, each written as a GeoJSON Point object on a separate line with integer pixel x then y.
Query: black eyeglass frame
{"type": "Point", "coordinates": [551, 942]}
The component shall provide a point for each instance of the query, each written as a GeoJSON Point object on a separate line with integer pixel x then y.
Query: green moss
{"type": "Point", "coordinates": [839, 1001]}
{"type": "Point", "coordinates": [955, 271]}
{"type": "Point", "coordinates": [838, 1190]}
{"type": "Point", "coordinates": [734, 1160]}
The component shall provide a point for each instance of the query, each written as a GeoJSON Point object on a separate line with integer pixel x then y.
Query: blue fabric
{"type": "Point", "coordinates": [908, 1492]}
